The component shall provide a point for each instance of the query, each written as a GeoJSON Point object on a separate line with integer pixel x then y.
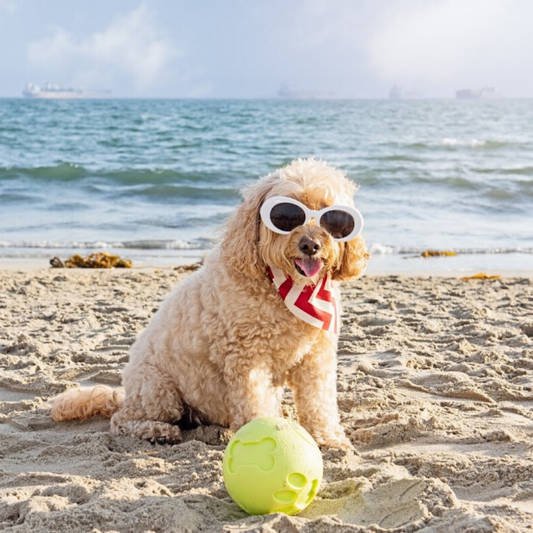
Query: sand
{"type": "Point", "coordinates": [435, 392]}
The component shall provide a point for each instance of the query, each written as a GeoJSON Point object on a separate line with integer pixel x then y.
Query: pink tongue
{"type": "Point", "coordinates": [309, 266]}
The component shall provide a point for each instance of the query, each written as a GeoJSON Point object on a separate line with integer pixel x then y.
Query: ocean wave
{"type": "Point", "coordinates": [470, 184]}
{"type": "Point", "coordinates": [60, 172]}
{"type": "Point", "coordinates": [170, 192]}
{"type": "Point", "coordinates": [384, 249]}
{"type": "Point", "coordinates": [18, 197]}
{"type": "Point", "coordinates": [375, 248]}
{"type": "Point", "coordinates": [148, 176]}
{"type": "Point", "coordinates": [399, 157]}
{"type": "Point", "coordinates": [452, 142]}
{"type": "Point", "coordinates": [200, 244]}
{"type": "Point", "coordinates": [126, 176]}
{"type": "Point", "coordinates": [519, 171]}
{"type": "Point", "coordinates": [149, 183]}
{"type": "Point", "coordinates": [452, 182]}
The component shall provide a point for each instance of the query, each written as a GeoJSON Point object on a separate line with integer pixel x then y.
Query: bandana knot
{"type": "Point", "coordinates": [317, 305]}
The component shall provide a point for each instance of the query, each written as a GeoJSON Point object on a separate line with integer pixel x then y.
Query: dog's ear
{"type": "Point", "coordinates": [241, 235]}
{"type": "Point", "coordinates": [352, 261]}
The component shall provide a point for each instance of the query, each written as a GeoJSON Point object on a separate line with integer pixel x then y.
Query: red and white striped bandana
{"type": "Point", "coordinates": [318, 305]}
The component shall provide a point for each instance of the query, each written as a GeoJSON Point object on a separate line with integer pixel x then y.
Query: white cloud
{"type": "Point", "coordinates": [8, 6]}
{"type": "Point", "coordinates": [452, 43]}
{"type": "Point", "coordinates": [431, 39]}
{"type": "Point", "coordinates": [131, 49]}
{"type": "Point", "coordinates": [135, 45]}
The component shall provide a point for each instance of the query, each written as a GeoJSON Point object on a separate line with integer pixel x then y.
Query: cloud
{"type": "Point", "coordinates": [131, 49]}
{"type": "Point", "coordinates": [450, 43]}
{"type": "Point", "coordinates": [8, 6]}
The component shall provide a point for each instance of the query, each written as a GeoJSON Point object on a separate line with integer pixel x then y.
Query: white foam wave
{"type": "Point", "coordinates": [450, 142]}
{"type": "Point", "coordinates": [104, 245]}
{"type": "Point", "coordinates": [377, 248]}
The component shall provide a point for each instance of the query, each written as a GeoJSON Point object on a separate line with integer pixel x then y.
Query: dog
{"type": "Point", "coordinates": [226, 341]}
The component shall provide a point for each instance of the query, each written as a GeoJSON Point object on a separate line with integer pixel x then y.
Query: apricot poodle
{"type": "Point", "coordinates": [259, 315]}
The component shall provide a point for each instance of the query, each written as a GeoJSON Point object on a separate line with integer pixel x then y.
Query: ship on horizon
{"type": "Point", "coordinates": [476, 94]}
{"type": "Point", "coordinates": [397, 92]}
{"type": "Point", "coordinates": [287, 92]}
{"type": "Point", "coordinates": [51, 91]}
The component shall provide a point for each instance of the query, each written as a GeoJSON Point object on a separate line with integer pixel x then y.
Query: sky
{"type": "Point", "coordinates": [249, 48]}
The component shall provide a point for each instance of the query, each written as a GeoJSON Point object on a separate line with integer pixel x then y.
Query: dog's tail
{"type": "Point", "coordinates": [81, 404]}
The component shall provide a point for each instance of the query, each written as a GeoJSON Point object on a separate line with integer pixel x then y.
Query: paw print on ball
{"type": "Point", "coordinates": [272, 465]}
{"type": "Point", "coordinates": [298, 482]}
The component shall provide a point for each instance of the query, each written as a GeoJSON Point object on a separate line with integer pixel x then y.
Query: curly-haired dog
{"type": "Point", "coordinates": [225, 341]}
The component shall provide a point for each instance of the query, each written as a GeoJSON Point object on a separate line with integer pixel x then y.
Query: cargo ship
{"type": "Point", "coordinates": [286, 92]}
{"type": "Point", "coordinates": [397, 92]}
{"type": "Point", "coordinates": [51, 91]}
{"type": "Point", "coordinates": [477, 94]}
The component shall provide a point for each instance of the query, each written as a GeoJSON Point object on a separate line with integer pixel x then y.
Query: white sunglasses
{"type": "Point", "coordinates": [282, 214]}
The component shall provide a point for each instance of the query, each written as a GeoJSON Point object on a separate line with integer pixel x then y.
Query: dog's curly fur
{"type": "Point", "coordinates": [223, 344]}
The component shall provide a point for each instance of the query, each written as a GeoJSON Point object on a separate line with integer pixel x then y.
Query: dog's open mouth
{"type": "Point", "coordinates": [308, 267]}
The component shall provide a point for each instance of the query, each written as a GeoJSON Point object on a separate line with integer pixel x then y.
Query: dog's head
{"type": "Point", "coordinates": [306, 252]}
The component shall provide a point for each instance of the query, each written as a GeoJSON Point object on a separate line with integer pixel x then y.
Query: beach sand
{"type": "Point", "coordinates": [435, 389]}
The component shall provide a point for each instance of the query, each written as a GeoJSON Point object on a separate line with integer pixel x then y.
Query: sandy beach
{"type": "Point", "coordinates": [435, 387]}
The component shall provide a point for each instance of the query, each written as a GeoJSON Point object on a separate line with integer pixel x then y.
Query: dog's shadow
{"type": "Point", "coordinates": [195, 427]}
{"type": "Point", "coordinates": [212, 435]}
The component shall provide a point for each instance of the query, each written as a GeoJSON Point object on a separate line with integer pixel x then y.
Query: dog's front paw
{"type": "Point", "coordinates": [343, 444]}
{"type": "Point", "coordinates": [337, 443]}
{"type": "Point", "coordinates": [163, 434]}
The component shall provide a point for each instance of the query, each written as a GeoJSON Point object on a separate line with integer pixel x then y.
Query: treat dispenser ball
{"type": "Point", "coordinates": [272, 465]}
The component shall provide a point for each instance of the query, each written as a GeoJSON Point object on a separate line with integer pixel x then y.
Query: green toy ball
{"type": "Point", "coordinates": [272, 465]}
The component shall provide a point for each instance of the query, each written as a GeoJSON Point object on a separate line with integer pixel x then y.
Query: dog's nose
{"type": "Point", "coordinates": [309, 246]}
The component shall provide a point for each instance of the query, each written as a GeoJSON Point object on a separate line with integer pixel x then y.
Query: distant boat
{"type": "Point", "coordinates": [399, 93]}
{"type": "Point", "coordinates": [51, 91]}
{"type": "Point", "coordinates": [476, 94]}
{"type": "Point", "coordinates": [285, 91]}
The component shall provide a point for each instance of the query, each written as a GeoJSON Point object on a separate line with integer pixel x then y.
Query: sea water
{"type": "Point", "coordinates": [153, 180]}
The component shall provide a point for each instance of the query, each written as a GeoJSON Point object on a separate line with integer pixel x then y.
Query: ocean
{"type": "Point", "coordinates": [152, 180]}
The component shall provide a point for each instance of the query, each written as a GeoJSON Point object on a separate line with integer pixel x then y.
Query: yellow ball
{"type": "Point", "coordinates": [272, 465]}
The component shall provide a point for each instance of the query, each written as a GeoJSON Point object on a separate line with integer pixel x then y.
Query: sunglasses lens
{"type": "Point", "coordinates": [338, 223]}
{"type": "Point", "coordinates": [287, 216]}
